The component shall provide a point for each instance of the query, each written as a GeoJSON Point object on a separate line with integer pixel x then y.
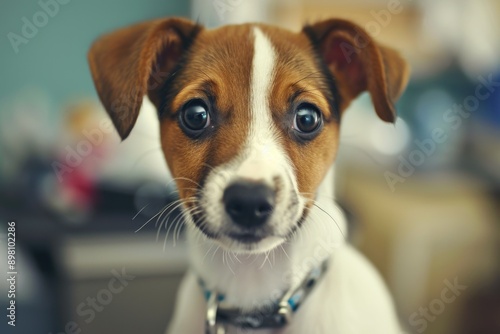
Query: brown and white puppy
{"type": "Point", "coordinates": [249, 122]}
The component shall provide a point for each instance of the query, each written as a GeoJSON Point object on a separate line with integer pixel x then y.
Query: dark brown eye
{"type": "Point", "coordinates": [195, 115]}
{"type": "Point", "coordinates": [307, 118]}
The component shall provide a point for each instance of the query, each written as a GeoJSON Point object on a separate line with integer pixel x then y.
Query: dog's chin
{"type": "Point", "coordinates": [238, 241]}
{"type": "Point", "coordinates": [249, 243]}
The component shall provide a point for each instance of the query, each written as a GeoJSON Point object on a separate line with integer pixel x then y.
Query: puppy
{"type": "Point", "coordinates": [249, 121]}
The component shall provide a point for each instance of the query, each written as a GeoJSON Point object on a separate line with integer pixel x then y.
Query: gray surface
{"type": "Point", "coordinates": [145, 304]}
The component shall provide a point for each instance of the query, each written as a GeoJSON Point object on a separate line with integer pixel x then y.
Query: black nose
{"type": "Point", "coordinates": [249, 204]}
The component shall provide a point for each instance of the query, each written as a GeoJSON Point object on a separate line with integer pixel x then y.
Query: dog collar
{"type": "Point", "coordinates": [276, 316]}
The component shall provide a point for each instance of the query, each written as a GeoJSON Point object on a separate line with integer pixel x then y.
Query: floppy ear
{"type": "Point", "coordinates": [359, 64]}
{"type": "Point", "coordinates": [134, 61]}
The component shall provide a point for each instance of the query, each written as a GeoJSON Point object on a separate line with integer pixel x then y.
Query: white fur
{"type": "Point", "coordinates": [262, 150]}
{"type": "Point", "coordinates": [351, 298]}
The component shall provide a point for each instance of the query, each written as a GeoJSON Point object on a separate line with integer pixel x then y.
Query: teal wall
{"type": "Point", "coordinates": [54, 60]}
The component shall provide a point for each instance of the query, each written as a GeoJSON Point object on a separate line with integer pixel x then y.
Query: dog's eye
{"type": "Point", "coordinates": [307, 118]}
{"type": "Point", "coordinates": [195, 115]}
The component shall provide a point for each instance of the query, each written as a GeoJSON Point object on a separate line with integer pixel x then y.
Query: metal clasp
{"type": "Point", "coordinates": [211, 326]}
{"type": "Point", "coordinates": [285, 311]}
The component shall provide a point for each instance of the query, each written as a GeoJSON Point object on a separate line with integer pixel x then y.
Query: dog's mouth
{"type": "Point", "coordinates": [246, 237]}
{"type": "Point", "coordinates": [246, 240]}
{"type": "Point", "coordinates": [242, 236]}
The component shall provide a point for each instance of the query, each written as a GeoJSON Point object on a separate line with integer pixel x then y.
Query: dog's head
{"type": "Point", "coordinates": [249, 114]}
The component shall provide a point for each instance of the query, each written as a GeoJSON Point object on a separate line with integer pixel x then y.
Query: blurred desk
{"type": "Point", "coordinates": [78, 260]}
{"type": "Point", "coordinates": [145, 304]}
{"type": "Point", "coordinates": [435, 227]}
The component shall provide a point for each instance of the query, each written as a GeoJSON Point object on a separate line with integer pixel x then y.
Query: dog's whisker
{"type": "Point", "coordinates": [236, 258]}
{"type": "Point", "coordinates": [150, 219]}
{"type": "Point", "coordinates": [213, 255]}
{"type": "Point", "coordinates": [333, 219]}
{"type": "Point", "coordinates": [317, 194]}
{"type": "Point", "coordinates": [159, 230]}
{"type": "Point", "coordinates": [145, 206]}
{"type": "Point", "coordinates": [163, 223]}
{"type": "Point", "coordinates": [227, 262]}
{"type": "Point", "coordinates": [173, 223]}
{"type": "Point", "coordinates": [229, 256]}
{"type": "Point", "coordinates": [254, 259]}
{"type": "Point", "coordinates": [208, 251]}
{"type": "Point", "coordinates": [284, 251]}
{"type": "Point", "coordinates": [176, 190]}
{"type": "Point", "coordinates": [166, 209]}
{"type": "Point", "coordinates": [193, 211]}
{"type": "Point", "coordinates": [177, 229]}
{"type": "Point", "coordinates": [177, 204]}
{"type": "Point", "coordinates": [269, 258]}
{"type": "Point", "coordinates": [179, 221]}
{"type": "Point", "coordinates": [266, 257]}
{"type": "Point", "coordinates": [178, 224]}
{"type": "Point", "coordinates": [182, 178]}
{"type": "Point", "coordinates": [167, 226]}
{"type": "Point", "coordinates": [165, 242]}
{"type": "Point", "coordinates": [316, 204]}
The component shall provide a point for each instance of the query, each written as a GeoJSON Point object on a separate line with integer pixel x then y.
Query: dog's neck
{"type": "Point", "coordinates": [251, 281]}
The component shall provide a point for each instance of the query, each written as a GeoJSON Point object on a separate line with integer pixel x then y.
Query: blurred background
{"type": "Point", "coordinates": [422, 197]}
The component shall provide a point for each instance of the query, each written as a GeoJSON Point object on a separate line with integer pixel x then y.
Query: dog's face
{"type": "Point", "coordinates": [260, 123]}
{"type": "Point", "coordinates": [249, 114]}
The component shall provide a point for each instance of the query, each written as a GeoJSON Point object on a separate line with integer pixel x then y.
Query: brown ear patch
{"type": "Point", "coordinates": [125, 65]}
{"type": "Point", "coordinates": [359, 64]}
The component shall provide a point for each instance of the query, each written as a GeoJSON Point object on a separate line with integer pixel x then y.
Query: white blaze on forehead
{"type": "Point", "coordinates": [263, 155]}
{"type": "Point", "coordinates": [264, 58]}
